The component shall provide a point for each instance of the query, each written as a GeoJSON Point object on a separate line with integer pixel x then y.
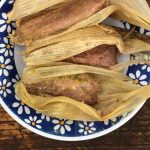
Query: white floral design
{"type": "Point", "coordinates": [87, 128]}
{"type": "Point", "coordinates": [6, 47]}
{"type": "Point", "coordinates": [142, 31]}
{"type": "Point", "coordinates": [15, 80]}
{"type": "Point", "coordinates": [62, 125]}
{"type": "Point", "coordinates": [5, 66]}
{"type": "Point", "coordinates": [33, 121]}
{"type": "Point", "coordinates": [5, 24]}
{"type": "Point", "coordinates": [4, 87]}
{"type": "Point", "coordinates": [20, 106]}
{"type": "Point", "coordinates": [146, 67]}
{"type": "Point", "coordinates": [44, 116]}
{"type": "Point", "coordinates": [127, 25]}
{"type": "Point", "coordinates": [11, 1]}
{"type": "Point", "coordinates": [139, 78]}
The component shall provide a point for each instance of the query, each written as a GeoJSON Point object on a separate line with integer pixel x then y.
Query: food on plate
{"type": "Point", "coordinates": [82, 87]}
{"type": "Point", "coordinates": [71, 56]}
{"type": "Point", "coordinates": [45, 51]}
{"type": "Point", "coordinates": [100, 56]}
{"type": "Point", "coordinates": [114, 94]}
{"type": "Point", "coordinates": [57, 19]}
{"type": "Point", "coordinates": [62, 17]}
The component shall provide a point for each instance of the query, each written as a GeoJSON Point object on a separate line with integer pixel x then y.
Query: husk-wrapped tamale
{"type": "Point", "coordinates": [76, 14]}
{"type": "Point", "coordinates": [40, 88]}
{"type": "Point", "coordinates": [66, 48]}
{"type": "Point", "coordinates": [81, 40]}
{"type": "Point", "coordinates": [56, 19]}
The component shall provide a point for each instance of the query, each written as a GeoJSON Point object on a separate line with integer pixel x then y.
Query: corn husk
{"type": "Point", "coordinates": [94, 31]}
{"type": "Point", "coordinates": [43, 73]}
{"type": "Point", "coordinates": [135, 12]}
{"type": "Point", "coordinates": [92, 20]}
{"type": "Point", "coordinates": [85, 39]}
{"type": "Point", "coordinates": [117, 97]}
{"type": "Point", "coordinates": [24, 8]}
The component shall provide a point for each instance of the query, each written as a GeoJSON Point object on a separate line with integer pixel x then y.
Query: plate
{"type": "Point", "coordinates": [54, 128]}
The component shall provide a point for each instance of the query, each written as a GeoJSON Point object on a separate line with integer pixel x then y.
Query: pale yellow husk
{"type": "Point", "coordinates": [92, 20]}
{"type": "Point", "coordinates": [127, 10]}
{"type": "Point", "coordinates": [23, 8]}
{"type": "Point", "coordinates": [117, 97]}
{"type": "Point", "coordinates": [80, 41]}
{"type": "Point", "coordinates": [37, 74]}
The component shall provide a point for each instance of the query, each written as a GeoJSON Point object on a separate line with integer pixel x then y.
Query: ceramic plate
{"type": "Point", "coordinates": [54, 128]}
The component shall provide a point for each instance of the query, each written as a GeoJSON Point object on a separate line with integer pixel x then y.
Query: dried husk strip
{"type": "Point", "coordinates": [37, 74]}
{"type": "Point", "coordinates": [85, 39]}
{"type": "Point", "coordinates": [23, 8]}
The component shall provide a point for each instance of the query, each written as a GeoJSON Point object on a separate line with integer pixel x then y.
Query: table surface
{"type": "Point", "coordinates": [134, 135]}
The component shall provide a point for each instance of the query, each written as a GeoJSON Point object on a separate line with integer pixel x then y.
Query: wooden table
{"type": "Point", "coordinates": [134, 135]}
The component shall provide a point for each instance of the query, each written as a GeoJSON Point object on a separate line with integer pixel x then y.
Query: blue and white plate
{"type": "Point", "coordinates": [54, 128]}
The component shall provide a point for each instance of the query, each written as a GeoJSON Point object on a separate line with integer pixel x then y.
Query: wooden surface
{"type": "Point", "coordinates": [134, 135]}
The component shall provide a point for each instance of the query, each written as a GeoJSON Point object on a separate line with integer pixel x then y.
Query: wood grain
{"type": "Point", "coordinates": [134, 135]}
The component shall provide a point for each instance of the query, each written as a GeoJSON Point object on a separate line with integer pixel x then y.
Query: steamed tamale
{"type": "Point", "coordinates": [79, 41]}
{"type": "Point", "coordinates": [57, 19]}
{"type": "Point", "coordinates": [85, 85]}
{"type": "Point", "coordinates": [100, 56]}
{"type": "Point", "coordinates": [71, 15]}
{"type": "Point", "coordinates": [114, 96]}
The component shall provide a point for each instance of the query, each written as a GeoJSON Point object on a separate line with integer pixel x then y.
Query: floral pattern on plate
{"type": "Point", "coordinates": [87, 128]}
{"type": "Point", "coordinates": [43, 123]}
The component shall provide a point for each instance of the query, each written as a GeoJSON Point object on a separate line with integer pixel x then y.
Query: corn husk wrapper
{"type": "Point", "coordinates": [43, 73]}
{"type": "Point", "coordinates": [92, 20]}
{"type": "Point", "coordinates": [135, 13]}
{"type": "Point", "coordinates": [117, 96]}
{"type": "Point", "coordinates": [24, 8]}
{"type": "Point", "coordinates": [82, 40]}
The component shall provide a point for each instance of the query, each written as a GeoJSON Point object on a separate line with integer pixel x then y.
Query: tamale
{"type": "Point", "coordinates": [57, 19]}
{"type": "Point", "coordinates": [117, 96]}
{"type": "Point", "coordinates": [63, 47]}
{"type": "Point", "coordinates": [101, 56]}
{"type": "Point", "coordinates": [85, 85]}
